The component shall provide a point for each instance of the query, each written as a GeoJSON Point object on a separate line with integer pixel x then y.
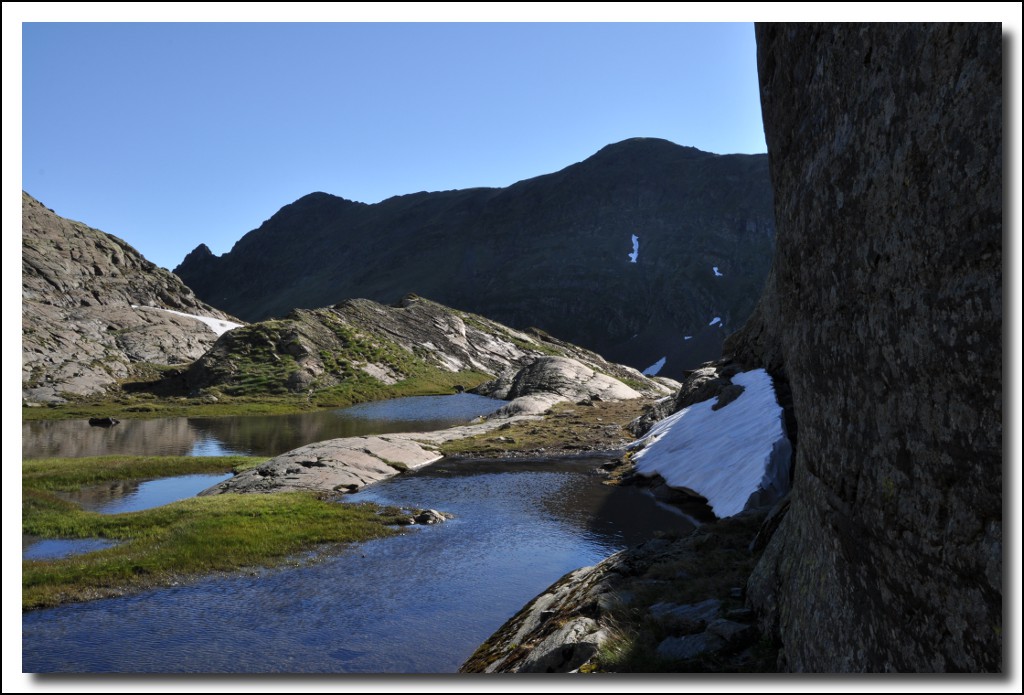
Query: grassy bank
{"type": "Point", "coordinates": [142, 404]}
{"type": "Point", "coordinates": [568, 427]}
{"type": "Point", "coordinates": [73, 473]}
{"type": "Point", "coordinates": [178, 541]}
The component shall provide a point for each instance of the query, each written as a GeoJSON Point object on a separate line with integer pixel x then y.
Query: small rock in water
{"type": "Point", "coordinates": [103, 421]}
{"type": "Point", "coordinates": [431, 516]}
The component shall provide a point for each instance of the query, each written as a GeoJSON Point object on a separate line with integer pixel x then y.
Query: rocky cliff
{"type": "Point", "coordinates": [92, 307]}
{"type": "Point", "coordinates": [355, 349]}
{"type": "Point", "coordinates": [555, 252]}
{"type": "Point", "coordinates": [884, 313]}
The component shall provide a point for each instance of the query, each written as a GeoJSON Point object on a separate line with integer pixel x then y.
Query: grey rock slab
{"type": "Point", "coordinates": [731, 631]}
{"type": "Point", "coordinates": [689, 646]}
{"type": "Point", "coordinates": [92, 307]}
{"type": "Point", "coordinates": [691, 617]}
{"type": "Point", "coordinates": [345, 464]}
{"type": "Point", "coordinates": [566, 649]}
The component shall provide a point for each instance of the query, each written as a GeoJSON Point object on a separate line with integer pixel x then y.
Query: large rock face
{"type": "Point", "coordinates": [551, 252]}
{"type": "Point", "coordinates": [884, 312]}
{"type": "Point", "coordinates": [92, 306]}
{"type": "Point", "coordinates": [360, 344]}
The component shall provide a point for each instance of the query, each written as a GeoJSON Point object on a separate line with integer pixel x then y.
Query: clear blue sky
{"type": "Point", "coordinates": [169, 135]}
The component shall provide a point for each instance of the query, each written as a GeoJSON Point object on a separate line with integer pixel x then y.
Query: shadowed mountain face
{"type": "Point", "coordinates": [92, 307]}
{"type": "Point", "coordinates": [552, 252]}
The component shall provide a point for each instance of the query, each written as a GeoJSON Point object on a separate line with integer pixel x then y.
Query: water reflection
{"type": "Point", "coordinates": [55, 548]}
{"type": "Point", "coordinates": [416, 603]}
{"type": "Point", "coordinates": [256, 435]}
{"type": "Point", "coordinates": [120, 497]}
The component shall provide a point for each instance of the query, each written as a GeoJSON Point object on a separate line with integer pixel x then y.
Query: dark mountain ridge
{"type": "Point", "coordinates": [551, 252]}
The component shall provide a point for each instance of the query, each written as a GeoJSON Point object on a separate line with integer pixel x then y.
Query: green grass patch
{"type": "Point", "coordinates": [128, 407]}
{"type": "Point", "coordinates": [360, 388]}
{"type": "Point", "coordinates": [73, 473]}
{"type": "Point", "coordinates": [184, 539]}
{"type": "Point", "coordinates": [567, 427]}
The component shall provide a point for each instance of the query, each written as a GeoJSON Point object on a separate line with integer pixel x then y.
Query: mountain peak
{"type": "Point", "coordinates": [648, 148]}
{"type": "Point", "coordinates": [551, 251]}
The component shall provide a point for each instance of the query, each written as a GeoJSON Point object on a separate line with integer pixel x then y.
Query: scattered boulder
{"type": "Point", "coordinates": [431, 516]}
{"type": "Point", "coordinates": [686, 619]}
{"type": "Point", "coordinates": [731, 631]}
{"type": "Point", "coordinates": [103, 421]}
{"type": "Point", "coordinates": [534, 388]}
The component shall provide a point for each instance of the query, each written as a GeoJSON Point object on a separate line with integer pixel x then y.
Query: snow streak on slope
{"type": "Point", "coordinates": [735, 456]}
{"type": "Point", "coordinates": [219, 326]}
{"type": "Point", "coordinates": [655, 368]}
{"type": "Point", "coordinates": [636, 249]}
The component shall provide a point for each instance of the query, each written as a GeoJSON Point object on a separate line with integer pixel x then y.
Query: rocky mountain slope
{"type": "Point", "coordinates": [92, 307]}
{"type": "Point", "coordinates": [360, 347]}
{"type": "Point", "coordinates": [884, 312]}
{"type": "Point", "coordinates": [555, 252]}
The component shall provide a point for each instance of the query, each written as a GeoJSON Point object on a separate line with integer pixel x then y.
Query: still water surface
{"type": "Point", "coordinates": [416, 603]}
{"type": "Point", "coordinates": [115, 498]}
{"type": "Point", "coordinates": [255, 435]}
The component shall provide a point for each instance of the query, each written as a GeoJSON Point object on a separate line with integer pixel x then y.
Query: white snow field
{"type": "Point", "coordinates": [736, 456]}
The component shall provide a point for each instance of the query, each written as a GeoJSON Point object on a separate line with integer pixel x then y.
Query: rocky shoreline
{"type": "Point", "coordinates": [350, 463]}
{"type": "Point", "coordinates": [670, 604]}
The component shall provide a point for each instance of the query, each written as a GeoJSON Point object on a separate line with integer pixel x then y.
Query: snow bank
{"type": "Point", "coordinates": [736, 456]}
{"type": "Point", "coordinates": [715, 269]}
{"type": "Point", "coordinates": [655, 368]}
{"type": "Point", "coordinates": [636, 249]}
{"type": "Point", "coordinates": [219, 326]}
{"type": "Point", "coordinates": [717, 319]}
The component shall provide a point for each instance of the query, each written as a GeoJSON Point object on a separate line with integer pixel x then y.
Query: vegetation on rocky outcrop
{"type": "Point", "coordinates": [360, 350]}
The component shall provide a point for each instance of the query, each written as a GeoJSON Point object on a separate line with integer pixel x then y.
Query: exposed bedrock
{"type": "Point", "coordinates": [884, 313]}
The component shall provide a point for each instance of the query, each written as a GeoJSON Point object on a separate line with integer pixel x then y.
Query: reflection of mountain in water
{"type": "Point", "coordinates": [613, 511]}
{"type": "Point", "coordinates": [256, 435]}
{"type": "Point", "coordinates": [76, 438]}
{"type": "Point", "coordinates": [97, 496]}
